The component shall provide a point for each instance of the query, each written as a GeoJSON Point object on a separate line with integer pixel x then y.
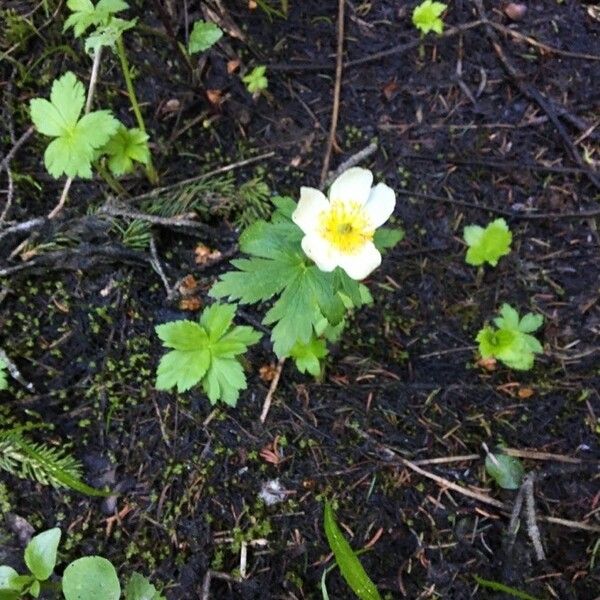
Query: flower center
{"type": "Point", "coordinates": [345, 226]}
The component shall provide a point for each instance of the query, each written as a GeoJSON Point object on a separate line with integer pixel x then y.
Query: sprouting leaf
{"type": "Point", "coordinates": [489, 244]}
{"type": "Point", "coordinates": [278, 267]}
{"type": "Point", "coordinates": [139, 588]}
{"type": "Point", "coordinates": [85, 14]}
{"type": "Point", "coordinates": [106, 36]}
{"type": "Point", "coordinates": [206, 352]}
{"type": "Point", "coordinates": [350, 567]}
{"type": "Point", "coordinates": [307, 357]}
{"type": "Point", "coordinates": [40, 553]}
{"type": "Point", "coordinates": [91, 577]}
{"type": "Point", "coordinates": [256, 81]}
{"type": "Point", "coordinates": [3, 378]}
{"type": "Point", "coordinates": [386, 238]}
{"type": "Point", "coordinates": [511, 342]}
{"type": "Point", "coordinates": [426, 16]}
{"type": "Point", "coordinates": [204, 35]}
{"type": "Point", "coordinates": [125, 147]}
{"type": "Point", "coordinates": [76, 139]}
{"type": "Point", "coordinates": [505, 470]}
{"type": "Point", "coordinates": [9, 583]}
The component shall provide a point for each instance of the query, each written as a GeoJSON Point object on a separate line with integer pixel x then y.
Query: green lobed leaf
{"type": "Point", "coordinates": [204, 35]}
{"type": "Point", "coordinates": [40, 553]}
{"type": "Point", "coordinates": [124, 148]}
{"type": "Point", "coordinates": [489, 244]}
{"type": "Point", "coordinates": [349, 565]}
{"type": "Point", "coordinates": [76, 140]}
{"type": "Point", "coordinates": [205, 353]}
{"type": "Point", "coordinates": [85, 15]}
{"type": "Point", "coordinates": [106, 36]}
{"type": "Point", "coordinates": [256, 81]}
{"type": "Point", "coordinates": [307, 357]}
{"type": "Point", "coordinates": [426, 16]}
{"type": "Point", "coordinates": [139, 588]}
{"type": "Point", "coordinates": [505, 470]}
{"type": "Point", "coordinates": [91, 577]}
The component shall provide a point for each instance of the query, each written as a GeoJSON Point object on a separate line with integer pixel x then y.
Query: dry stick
{"type": "Point", "coordinates": [273, 387]}
{"type": "Point", "coordinates": [336, 91]}
{"type": "Point", "coordinates": [216, 575]}
{"type": "Point", "coordinates": [88, 106]}
{"type": "Point", "coordinates": [14, 371]}
{"type": "Point", "coordinates": [354, 160]}
{"type": "Point", "coordinates": [535, 455]}
{"type": "Point", "coordinates": [6, 160]}
{"type": "Point", "coordinates": [532, 528]}
{"type": "Point", "coordinates": [155, 262]}
{"type": "Point", "coordinates": [533, 94]}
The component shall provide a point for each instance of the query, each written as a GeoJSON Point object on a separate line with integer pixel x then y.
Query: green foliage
{"type": "Point", "coordinates": [3, 378]}
{"type": "Point", "coordinates": [39, 462]}
{"type": "Point", "coordinates": [386, 238]}
{"type": "Point", "coordinates": [40, 553]}
{"type": "Point", "coordinates": [511, 342]}
{"type": "Point", "coordinates": [505, 589]}
{"type": "Point", "coordinates": [85, 14]}
{"type": "Point", "coordinates": [256, 81]}
{"type": "Point", "coordinates": [278, 268]}
{"type": "Point", "coordinates": [307, 357]}
{"type": "Point", "coordinates": [505, 470]}
{"type": "Point", "coordinates": [136, 234]}
{"type": "Point", "coordinates": [489, 244]}
{"type": "Point", "coordinates": [125, 147]}
{"type": "Point", "coordinates": [252, 202]}
{"type": "Point", "coordinates": [204, 35]}
{"type": "Point", "coordinates": [426, 16]}
{"type": "Point", "coordinates": [76, 139]}
{"type": "Point", "coordinates": [91, 577]}
{"type": "Point", "coordinates": [349, 565]}
{"type": "Point", "coordinates": [106, 36]}
{"type": "Point", "coordinates": [206, 352]}
{"type": "Point", "coordinates": [139, 588]}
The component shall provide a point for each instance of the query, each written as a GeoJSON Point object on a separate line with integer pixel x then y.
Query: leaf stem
{"type": "Point", "coordinates": [150, 170]}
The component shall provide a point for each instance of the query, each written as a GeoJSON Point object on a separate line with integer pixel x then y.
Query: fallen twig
{"type": "Point", "coordinates": [352, 161]}
{"type": "Point", "coordinates": [272, 389]}
{"type": "Point", "coordinates": [14, 372]}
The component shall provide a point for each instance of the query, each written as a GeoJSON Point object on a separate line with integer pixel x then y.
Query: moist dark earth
{"type": "Point", "coordinates": [480, 123]}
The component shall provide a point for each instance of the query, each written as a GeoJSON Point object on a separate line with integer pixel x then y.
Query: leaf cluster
{"type": "Point", "coordinates": [489, 244]}
{"type": "Point", "coordinates": [206, 352]}
{"type": "Point", "coordinates": [511, 341]}
{"type": "Point", "coordinates": [87, 577]}
{"type": "Point", "coordinates": [84, 14]}
{"type": "Point", "coordinates": [426, 16]}
{"type": "Point", "coordinates": [256, 81]}
{"type": "Point", "coordinates": [278, 270]}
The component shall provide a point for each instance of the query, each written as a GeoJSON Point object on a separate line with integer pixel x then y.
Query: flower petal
{"type": "Point", "coordinates": [324, 254]}
{"type": "Point", "coordinates": [380, 205]}
{"type": "Point", "coordinates": [311, 204]}
{"type": "Point", "coordinates": [361, 263]}
{"type": "Point", "coordinates": [353, 185]}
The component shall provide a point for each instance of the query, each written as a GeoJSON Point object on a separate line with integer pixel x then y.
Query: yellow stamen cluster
{"type": "Point", "coordinates": [345, 226]}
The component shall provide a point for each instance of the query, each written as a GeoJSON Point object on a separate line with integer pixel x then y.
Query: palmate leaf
{"type": "Point", "coordinates": [426, 16]}
{"type": "Point", "coordinates": [85, 14]}
{"type": "Point", "coordinates": [206, 353]}
{"type": "Point", "coordinates": [76, 140]}
{"type": "Point", "coordinates": [307, 357]}
{"type": "Point", "coordinates": [278, 269]}
{"type": "Point", "coordinates": [489, 244]}
{"type": "Point", "coordinates": [106, 36]}
{"type": "Point", "coordinates": [511, 342]}
{"type": "Point", "coordinates": [125, 147]}
{"type": "Point", "coordinates": [256, 81]}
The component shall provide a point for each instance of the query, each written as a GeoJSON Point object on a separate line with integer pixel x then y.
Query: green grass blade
{"type": "Point", "coordinates": [506, 589]}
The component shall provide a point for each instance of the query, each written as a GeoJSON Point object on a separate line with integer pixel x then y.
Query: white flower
{"type": "Point", "coordinates": [338, 232]}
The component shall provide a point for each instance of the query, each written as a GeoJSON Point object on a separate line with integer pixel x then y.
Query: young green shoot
{"type": "Point", "coordinates": [84, 14]}
{"type": "Point", "coordinates": [256, 81]}
{"type": "Point", "coordinates": [308, 357]}
{"type": "Point", "coordinates": [126, 147]}
{"type": "Point", "coordinates": [426, 17]}
{"type": "Point", "coordinates": [206, 352]}
{"type": "Point", "coordinates": [506, 471]}
{"type": "Point", "coordinates": [489, 244]}
{"type": "Point", "coordinates": [76, 138]}
{"type": "Point", "coordinates": [510, 341]}
{"type": "Point", "coordinates": [3, 378]}
{"type": "Point", "coordinates": [204, 35]}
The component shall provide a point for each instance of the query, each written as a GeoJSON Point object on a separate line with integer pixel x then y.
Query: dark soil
{"type": "Point", "coordinates": [461, 141]}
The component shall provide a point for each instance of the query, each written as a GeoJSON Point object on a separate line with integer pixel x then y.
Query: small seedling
{"type": "Point", "coordinates": [308, 357]}
{"type": "Point", "coordinates": [203, 36]}
{"type": "Point", "coordinates": [489, 244]}
{"type": "Point", "coordinates": [510, 342]}
{"type": "Point", "coordinates": [85, 15]}
{"type": "Point", "coordinates": [505, 470]}
{"type": "Point", "coordinates": [205, 352]}
{"type": "Point", "coordinates": [76, 139]}
{"type": "Point", "coordinates": [256, 81]}
{"type": "Point", "coordinates": [3, 378]}
{"type": "Point", "coordinates": [124, 148]}
{"type": "Point", "coordinates": [350, 567]}
{"type": "Point", "coordinates": [85, 578]}
{"type": "Point", "coordinates": [427, 17]}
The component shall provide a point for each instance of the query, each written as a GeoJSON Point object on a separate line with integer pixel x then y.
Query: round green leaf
{"type": "Point", "coordinates": [91, 577]}
{"type": "Point", "coordinates": [40, 553]}
{"type": "Point", "coordinates": [505, 470]}
{"type": "Point", "coordinates": [7, 579]}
